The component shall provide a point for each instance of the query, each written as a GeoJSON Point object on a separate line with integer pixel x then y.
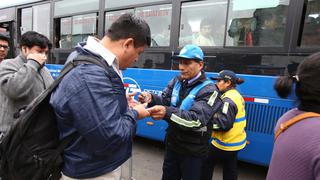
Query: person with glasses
{"type": "Point", "coordinates": [4, 46]}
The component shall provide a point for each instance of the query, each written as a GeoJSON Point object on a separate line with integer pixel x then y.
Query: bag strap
{"type": "Point", "coordinates": [79, 59]}
{"type": "Point", "coordinates": [287, 124]}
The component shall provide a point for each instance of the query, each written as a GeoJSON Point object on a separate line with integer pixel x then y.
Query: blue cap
{"type": "Point", "coordinates": [190, 51]}
{"type": "Point", "coordinates": [226, 75]}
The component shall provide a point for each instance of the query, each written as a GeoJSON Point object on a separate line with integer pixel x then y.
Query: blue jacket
{"type": "Point", "coordinates": [91, 102]}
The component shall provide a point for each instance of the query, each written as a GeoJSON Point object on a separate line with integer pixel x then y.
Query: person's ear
{"type": "Point", "coordinates": [201, 64]}
{"type": "Point", "coordinates": [128, 42]}
{"type": "Point", "coordinates": [24, 50]}
{"type": "Point", "coordinates": [228, 83]}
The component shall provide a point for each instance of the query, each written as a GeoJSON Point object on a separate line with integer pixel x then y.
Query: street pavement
{"type": "Point", "coordinates": [148, 158]}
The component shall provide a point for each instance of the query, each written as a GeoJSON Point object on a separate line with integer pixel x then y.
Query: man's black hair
{"type": "Point", "coordinates": [32, 38]}
{"type": "Point", "coordinates": [4, 37]}
{"type": "Point", "coordinates": [130, 26]}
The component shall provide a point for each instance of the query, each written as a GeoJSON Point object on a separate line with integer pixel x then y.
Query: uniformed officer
{"type": "Point", "coordinates": [228, 136]}
{"type": "Point", "coordinates": [187, 104]}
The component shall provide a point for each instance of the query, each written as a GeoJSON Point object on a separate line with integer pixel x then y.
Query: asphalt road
{"type": "Point", "coordinates": [148, 158]}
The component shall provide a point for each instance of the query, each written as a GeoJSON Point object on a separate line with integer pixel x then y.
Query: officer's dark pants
{"type": "Point", "coordinates": [227, 158]}
{"type": "Point", "coordinates": [177, 166]}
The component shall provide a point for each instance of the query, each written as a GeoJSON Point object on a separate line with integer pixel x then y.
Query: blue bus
{"type": "Point", "coordinates": [259, 40]}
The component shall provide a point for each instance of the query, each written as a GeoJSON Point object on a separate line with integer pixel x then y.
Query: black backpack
{"type": "Point", "coordinates": [31, 149]}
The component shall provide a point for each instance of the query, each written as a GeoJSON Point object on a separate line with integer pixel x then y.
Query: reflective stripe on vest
{"type": "Point", "coordinates": [213, 98]}
{"type": "Point", "coordinates": [230, 144]}
{"type": "Point", "coordinates": [235, 138]}
{"type": "Point", "coordinates": [186, 103]}
{"type": "Point", "coordinates": [240, 119]}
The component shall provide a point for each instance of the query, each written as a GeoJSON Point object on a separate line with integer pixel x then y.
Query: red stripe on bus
{"type": "Point", "coordinates": [248, 99]}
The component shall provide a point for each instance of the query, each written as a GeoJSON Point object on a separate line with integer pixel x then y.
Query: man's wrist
{"type": "Point", "coordinates": [34, 64]}
{"type": "Point", "coordinates": [135, 113]}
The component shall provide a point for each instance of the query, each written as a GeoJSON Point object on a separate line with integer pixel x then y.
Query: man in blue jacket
{"type": "Point", "coordinates": [187, 104]}
{"type": "Point", "coordinates": [91, 102]}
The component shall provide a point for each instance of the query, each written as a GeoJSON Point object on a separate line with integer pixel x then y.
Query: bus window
{"type": "Point", "coordinates": [117, 3]}
{"type": "Point", "coordinates": [82, 27]}
{"type": "Point", "coordinates": [203, 23]}
{"type": "Point", "coordinates": [154, 61]}
{"type": "Point", "coordinates": [26, 20]}
{"type": "Point", "coordinates": [111, 16]}
{"type": "Point", "coordinates": [41, 19]}
{"type": "Point", "coordinates": [75, 29]}
{"type": "Point", "coordinates": [36, 18]}
{"type": "Point", "coordinates": [256, 23]}
{"type": "Point", "coordinates": [159, 19]}
{"type": "Point", "coordinates": [311, 27]}
{"type": "Point", "coordinates": [65, 33]}
{"type": "Point", "coordinates": [74, 6]}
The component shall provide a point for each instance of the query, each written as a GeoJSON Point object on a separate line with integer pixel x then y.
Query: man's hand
{"type": "Point", "coordinates": [145, 97]}
{"type": "Point", "coordinates": [38, 57]}
{"type": "Point", "coordinates": [157, 112]}
{"type": "Point", "coordinates": [142, 111]}
{"type": "Point", "coordinates": [131, 101]}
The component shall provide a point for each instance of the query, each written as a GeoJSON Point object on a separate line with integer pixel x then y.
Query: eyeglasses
{"type": "Point", "coordinates": [4, 47]}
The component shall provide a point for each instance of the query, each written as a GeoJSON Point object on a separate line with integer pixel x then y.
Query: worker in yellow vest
{"type": "Point", "coordinates": [228, 136]}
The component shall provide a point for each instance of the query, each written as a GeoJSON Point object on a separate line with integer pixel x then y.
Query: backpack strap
{"type": "Point", "coordinates": [90, 59]}
{"type": "Point", "coordinates": [287, 124]}
{"type": "Point", "coordinates": [80, 59]}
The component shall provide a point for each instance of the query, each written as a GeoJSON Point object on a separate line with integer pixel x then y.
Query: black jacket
{"type": "Point", "coordinates": [180, 138]}
{"type": "Point", "coordinates": [224, 122]}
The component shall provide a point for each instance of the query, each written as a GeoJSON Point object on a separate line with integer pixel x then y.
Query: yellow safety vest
{"type": "Point", "coordinates": [234, 139]}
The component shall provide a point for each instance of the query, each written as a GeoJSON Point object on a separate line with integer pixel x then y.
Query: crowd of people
{"type": "Point", "coordinates": [206, 118]}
